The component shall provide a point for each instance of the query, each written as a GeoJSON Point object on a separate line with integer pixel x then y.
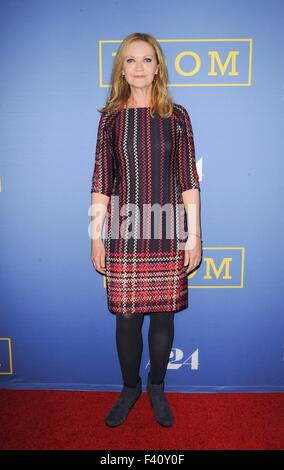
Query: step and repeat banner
{"type": "Point", "coordinates": [225, 67]}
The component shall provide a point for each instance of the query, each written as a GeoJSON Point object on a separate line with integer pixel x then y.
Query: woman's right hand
{"type": "Point", "coordinates": [98, 255]}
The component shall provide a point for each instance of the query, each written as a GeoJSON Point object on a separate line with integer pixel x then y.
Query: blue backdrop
{"type": "Point", "coordinates": [225, 66]}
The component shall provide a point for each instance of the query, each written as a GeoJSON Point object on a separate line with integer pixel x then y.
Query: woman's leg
{"type": "Point", "coordinates": [160, 338]}
{"type": "Point", "coordinates": [129, 344]}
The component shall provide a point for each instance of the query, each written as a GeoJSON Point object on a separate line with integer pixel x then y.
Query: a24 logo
{"type": "Point", "coordinates": [177, 360]}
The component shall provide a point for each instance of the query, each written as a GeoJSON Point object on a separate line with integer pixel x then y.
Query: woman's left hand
{"type": "Point", "coordinates": [192, 255]}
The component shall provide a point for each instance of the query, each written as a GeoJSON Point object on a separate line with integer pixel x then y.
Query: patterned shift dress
{"type": "Point", "coordinates": [143, 164]}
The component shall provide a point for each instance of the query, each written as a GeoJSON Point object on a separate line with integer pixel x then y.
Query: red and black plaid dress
{"type": "Point", "coordinates": [144, 162]}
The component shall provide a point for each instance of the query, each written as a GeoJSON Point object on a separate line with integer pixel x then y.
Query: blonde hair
{"type": "Point", "coordinates": [161, 101]}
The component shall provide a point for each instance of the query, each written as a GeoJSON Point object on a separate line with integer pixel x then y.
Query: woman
{"type": "Point", "coordinates": [144, 159]}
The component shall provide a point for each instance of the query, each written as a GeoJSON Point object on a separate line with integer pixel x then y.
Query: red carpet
{"type": "Point", "coordinates": [44, 419]}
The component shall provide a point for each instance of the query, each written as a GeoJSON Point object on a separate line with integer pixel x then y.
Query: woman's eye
{"type": "Point", "coordinates": [148, 59]}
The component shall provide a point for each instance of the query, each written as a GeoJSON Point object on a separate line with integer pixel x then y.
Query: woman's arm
{"type": "Point", "coordinates": [98, 213]}
{"type": "Point", "coordinates": [101, 189]}
{"type": "Point", "coordinates": [193, 249]}
{"type": "Point", "coordinates": [191, 200]}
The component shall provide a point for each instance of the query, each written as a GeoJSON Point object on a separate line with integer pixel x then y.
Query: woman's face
{"type": "Point", "coordinates": [140, 64]}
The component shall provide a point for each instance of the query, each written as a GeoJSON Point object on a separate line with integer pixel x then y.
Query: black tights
{"type": "Point", "coordinates": [129, 343]}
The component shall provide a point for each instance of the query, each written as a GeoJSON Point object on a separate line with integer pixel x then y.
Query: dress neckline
{"type": "Point", "coordinates": [139, 107]}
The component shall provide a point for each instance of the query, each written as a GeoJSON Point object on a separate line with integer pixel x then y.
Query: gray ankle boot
{"type": "Point", "coordinates": [121, 408]}
{"type": "Point", "coordinates": [159, 403]}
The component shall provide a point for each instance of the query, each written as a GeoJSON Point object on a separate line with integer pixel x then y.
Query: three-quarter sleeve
{"type": "Point", "coordinates": [104, 167]}
{"type": "Point", "coordinates": [186, 165]}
